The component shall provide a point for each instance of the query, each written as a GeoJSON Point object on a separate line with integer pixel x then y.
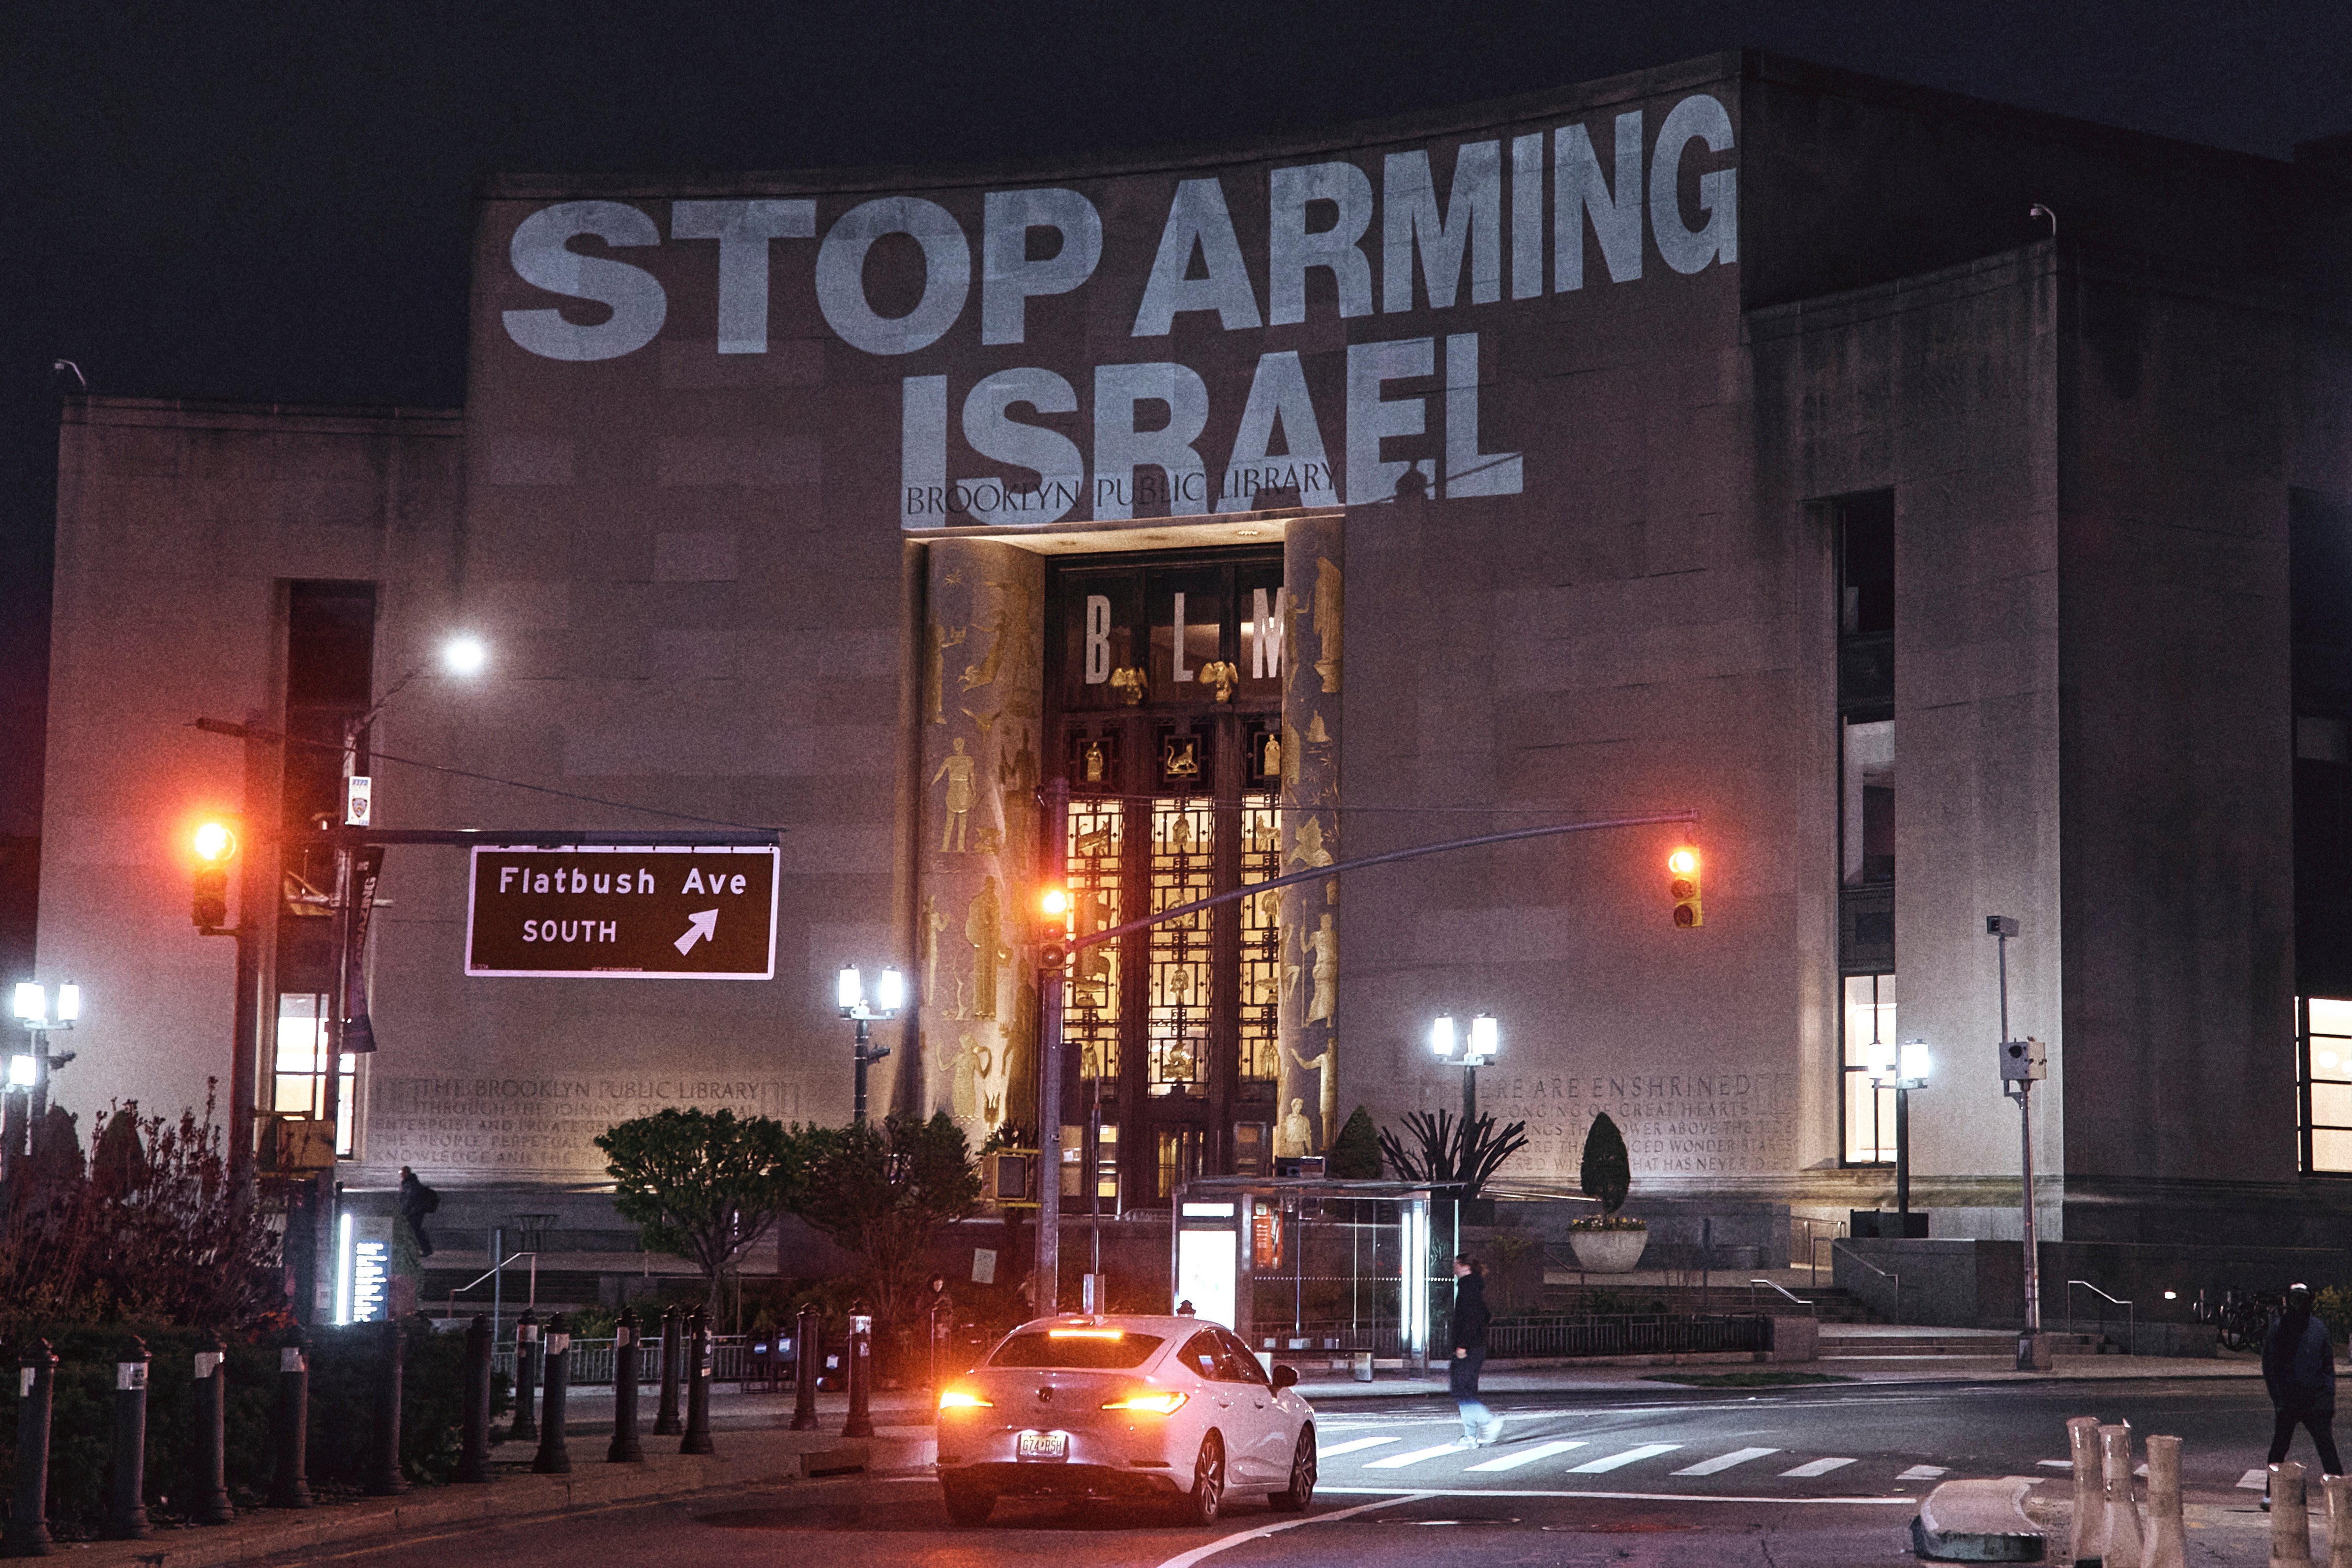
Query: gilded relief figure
{"type": "Point", "coordinates": [937, 641]}
{"type": "Point", "coordinates": [1018, 770]}
{"type": "Point", "coordinates": [1012, 620]}
{"type": "Point", "coordinates": [1327, 1090]}
{"type": "Point", "coordinates": [1091, 768]}
{"type": "Point", "coordinates": [957, 770]}
{"type": "Point", "coordinates": [1307, 849]}
{"type": "Point", "coordinates": [1327, 622]}
{"type": "Point", "coordinates": [984, 721]}
{"type": "Point", "coordinates": [1324, 941]}
{"type": "Point", "coordinates": [963, 1077]}
{"type": "Point", "coordinates": [1271, 760]}
{"type": "Point", "coordinates": [984, 924]}
{"type": "Point", "coordinates": [1290, 760]}
{"type": "Point", "coordinates": [933, 922]}
{"type": "Point", "coordinates": [1294, 1136]}
{"type": "Point", "coordinates": [1221, 677]}
{"type": "Point", "coordinates": [1181, 758]}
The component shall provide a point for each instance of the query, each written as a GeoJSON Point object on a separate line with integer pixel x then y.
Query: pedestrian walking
{"type": "Point", "coordinates": [417, 1201]}
{"type": "Point", "coordinates": [2299, 1368]}
{"type": "Point", "coordinates": [1480, 1426]}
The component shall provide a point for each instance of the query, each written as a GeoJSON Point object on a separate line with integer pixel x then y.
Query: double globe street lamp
{"type": "Point", "coordinates": [1485, 1039]}
{"type": "Point", "coordinates": [889, 996]}
{"type": "Point", "coordinates": [1901, 1069]}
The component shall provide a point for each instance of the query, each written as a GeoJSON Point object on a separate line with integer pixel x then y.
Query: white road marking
{"type": "Point", "coordinates": [1326, 1450]}
{"type": "Point", "coordinates": [1512, 1461]}
{"type": "Point", "coordinates": [1922, 1473]}
{"type": "Point", "coordinates": [1412, 1456]}
{"type": "Point", "coordinates": [2055, 1464]}
{"type": "Point", "coordinates": [1186, 1559]}
{"type": "Point", "coordinates": [1612, 1496]}
{"type": "Point", "coordinates": [1724, 1461]}
{"type": "Point", "coordinates": [1817, 1467]}
{"type": "Point", "coordinates": [2254, 1480]}
{"type": "Point", "coordinates": [1613, 1461]}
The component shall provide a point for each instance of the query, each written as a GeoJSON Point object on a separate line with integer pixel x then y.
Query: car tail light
{"type": "Point", "coordinates": [1166, 1404]}
{"type": "Point", "coordinates": [964, 1399]}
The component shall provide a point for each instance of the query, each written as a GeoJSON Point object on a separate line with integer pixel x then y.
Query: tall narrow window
{"type": "Point", "coordinates": [1261, 987]}
{"type": "Point", "coordinates": [1182, 990]}
{"type": "Point", "coordinates": [2325, 1053]}
{"type": "Point", "coordinates": [1870, 1041]}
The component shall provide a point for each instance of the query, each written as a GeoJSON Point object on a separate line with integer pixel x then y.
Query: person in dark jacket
{"type": "Point", "coordinates": [1480, 1426]}
{"type": "Point", "coordinates": [417, 1201]}
{"type": "Point", "coordinates": [2299, 1367]}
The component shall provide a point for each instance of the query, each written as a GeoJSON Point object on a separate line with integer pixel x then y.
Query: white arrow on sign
{"type": "Point", "coordinates": [702, 926]}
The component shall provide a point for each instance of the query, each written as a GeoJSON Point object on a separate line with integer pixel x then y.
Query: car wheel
{"type": "Point", "coordinates": [968, 1504]}
{"type": "Point", "coordinates": [1301, 1491]}
{"type": "Point", "coordinates": [1207, 1499]}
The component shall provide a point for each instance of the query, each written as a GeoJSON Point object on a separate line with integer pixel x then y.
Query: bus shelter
{"type": "Point", "coordinates": [1310, 1265]}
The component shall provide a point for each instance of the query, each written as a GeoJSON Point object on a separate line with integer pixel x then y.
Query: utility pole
{"type": "Point", "coordinates": [2021, 1062]}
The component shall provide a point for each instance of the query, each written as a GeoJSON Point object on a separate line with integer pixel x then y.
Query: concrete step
{"type": "Point", "coordinates": [1895, 1344]}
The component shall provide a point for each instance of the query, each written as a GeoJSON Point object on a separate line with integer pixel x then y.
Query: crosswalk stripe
{"type": "Point", "coordinates": [2254, 1480]}
{"type": "Point", "coordinates": [1399, 1461]}
{"type": "Point", "coordinates": [1328, 1450]}
{"type": "Point", "coordinates": [1922, 1473]}
{"type": "Point", "coordinates": [1613, 1461]}
{"type": "Point", "coordinates": [1724, 1461]}
{"type": "Point", "coordinates": [1818, 1468]}
{"type": "Point", "coordinates": [1512, 1461]}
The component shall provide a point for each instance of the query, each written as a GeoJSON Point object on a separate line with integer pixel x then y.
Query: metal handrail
{"type": "Point", "coordinates": [1770, 1286]}
{"type": "Point", "coordinates": [1896, 1311]}
{"type": "Point", "coordinates": [496, 1271]}
{"type": "Point", "coordinates": [2131, 1315]}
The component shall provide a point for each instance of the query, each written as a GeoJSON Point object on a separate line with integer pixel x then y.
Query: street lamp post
{"type": "Point", "coordinates": [28, 1075]}
{"type": "Point", "coordinates": [1905, 1068]}
{"type": "Point", "coordinates": [1485, 1039]}
{"type": "Point", "coordinates": [889, 996]}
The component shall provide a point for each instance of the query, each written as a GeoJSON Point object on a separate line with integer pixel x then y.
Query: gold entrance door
{"type": "Point", "coordinates": [1164, 674]}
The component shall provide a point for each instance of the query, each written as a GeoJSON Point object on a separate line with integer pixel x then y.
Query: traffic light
{"type": "Point", "coordinates": [214, 845]}
{"type": "Point", "coordinates": [1683, 888]}
{"type": "Point", "coordinates": [1053, 927]}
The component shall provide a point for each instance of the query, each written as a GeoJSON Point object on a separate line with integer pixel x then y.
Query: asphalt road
{"type": "Point", "coordinates": [1789, 1478]}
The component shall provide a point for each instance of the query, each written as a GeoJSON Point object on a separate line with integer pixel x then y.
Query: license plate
{"type": "Point", "coordinates": [1042, 1446]}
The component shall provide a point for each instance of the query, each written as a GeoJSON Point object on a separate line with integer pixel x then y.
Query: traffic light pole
{"type": "Point", "coordinates": [1055, 832]}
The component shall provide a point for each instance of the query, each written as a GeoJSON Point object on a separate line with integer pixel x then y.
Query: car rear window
{"type": "Point", "coordinates": [1085, 1350]}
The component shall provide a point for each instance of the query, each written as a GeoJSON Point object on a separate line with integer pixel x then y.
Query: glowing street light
{"type": "Point", "coordinates": [1903, 1068]}
{"type": "Point", "coordinates": [465, 655]}
{"type": "Point", "coordinates": [889, 996]}
{"type": "Point", "coordinates": [30, 1071]}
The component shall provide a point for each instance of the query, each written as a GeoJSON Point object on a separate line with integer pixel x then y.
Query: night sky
{"type": "Point", "coordinates": [272, 201]}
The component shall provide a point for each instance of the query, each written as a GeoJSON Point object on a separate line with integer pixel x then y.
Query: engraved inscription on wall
{"type": "Point", "coordinates": [507, 1126]}
{"type": "Point", "coordinates": [1675, 1123]}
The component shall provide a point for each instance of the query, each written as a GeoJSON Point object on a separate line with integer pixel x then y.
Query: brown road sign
{"type": "Point", "coordinates": [603, 912]}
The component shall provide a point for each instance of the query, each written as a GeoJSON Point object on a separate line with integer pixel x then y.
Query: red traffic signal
{"type": "Point", "coordinates": [1053, 927]}
{"type": "Point", "coordinates": [215, 845]}
{"type": "Point", "coordinates": [1683, 865]}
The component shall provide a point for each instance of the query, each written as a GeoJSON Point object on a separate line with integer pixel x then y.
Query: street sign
{"type": "Point", "coordinates": [598, 912]}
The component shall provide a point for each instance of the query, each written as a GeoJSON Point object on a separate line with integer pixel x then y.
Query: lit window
{"type": "Point", "coordinates": [299, 1086]}
{"type": "Point", "coordinates": [2325, 1056]}
{"type": "Point", "coordinates": [1868, 1110]}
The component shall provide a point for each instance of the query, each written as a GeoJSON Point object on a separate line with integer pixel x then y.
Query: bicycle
{"type": "Point", "coordinates": [2243, 1317]}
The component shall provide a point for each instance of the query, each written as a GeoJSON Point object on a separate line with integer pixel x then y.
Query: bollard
{"type": "Point", "coordinates": [474, 1448]}
{"type": "Point", "coordinates": [126, 1511]}
{"type": "Point", "coordinates": [385, 1478]}
{"type": "Point", "coordinates": [665, 1422]}
{"type": "Point", "coordinates": [209, 1398]}
{"type": "Point", "coordinates": [526, 1381]}
{"type": "Point", "coordinates": [2090, 1490]}
{"type": "Point", "coordinates": [555, 1458]}
{"type": "Point", "coordinates": [291, 1487]}
{"type": "Point", "coordinates": [2122, 1516]}
{"type": "Point", "coordinates": [808, 1359]}
{"type": "Point", "coordinates": [28, 1522]}
{"type": "Point", "coordinates": [698, 1388]}
{"type": "Point", "coordinates": [2339, 1492]}
{"type": "Point", "coordinates": [625, 1450]}
{"type": "Point", "coordinates": [2290, 1518]}
{"type": "Point", "coordinates": [2168, 1535]}
{"type": "Point", "coordinates": [857, 1367]}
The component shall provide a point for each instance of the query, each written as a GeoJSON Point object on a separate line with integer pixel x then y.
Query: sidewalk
{"type": "Point", "coordinates": [747, 1456]}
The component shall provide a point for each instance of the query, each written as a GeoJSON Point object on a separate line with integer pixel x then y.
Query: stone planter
{"type": "Point", "coordinates": [1609, 1251]}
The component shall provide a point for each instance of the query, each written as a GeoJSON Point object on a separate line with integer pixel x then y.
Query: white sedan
{"type": "Point", "coordinates": [1124, 1407]}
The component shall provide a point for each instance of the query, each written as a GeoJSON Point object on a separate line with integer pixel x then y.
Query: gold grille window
{"type": "Point", "coordinates": [1180, 991]}
{"type": "Point", "coordinates": [1261, 930]}
{"type": "Point", "coordinates": [1097, 838]}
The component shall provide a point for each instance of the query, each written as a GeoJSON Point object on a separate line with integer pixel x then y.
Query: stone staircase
{"type": "Point", "coordinates": [1826, 1303]}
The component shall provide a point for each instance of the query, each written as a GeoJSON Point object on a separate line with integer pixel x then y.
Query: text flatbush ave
{"type": "Point", "coordinates": [700, 914]}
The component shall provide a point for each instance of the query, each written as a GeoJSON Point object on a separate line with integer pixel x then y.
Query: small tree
{"type": "Point", "coordinates": [703, 1185]}
{"type": "Point", "coordinates": [1355, 1154]}
{"type": "Point", "coordinates": [884, 1193]}
{"type": "Point", "coordinates": [1607, 1172]}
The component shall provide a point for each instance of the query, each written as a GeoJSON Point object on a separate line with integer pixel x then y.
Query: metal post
{"type": "Point", "coordinates": [1053, 844]}
{"type": "Point", "coordinates": [807, 1362]}
{"type": "Point", "coordinates": [28, 1522]}
{"type": "Point", "coordinates": [290, 1486]}
{"type": "Point", "coordinates": [474, 1449]}
{"type": "Point", "coordinates": [625, 1450]}
{"type": "Point", "coordinates": [665, 1422]}
{"type": "Point", "coordinates": [555, 1458]}
{"type": "Point", "coordinates": [1902, 1157]}
{"type": "Point", "coordinates": [2090, 1488]}
{"type": "Point", "coordinates": [2124, 1543]}
{"type": "Point", "coordinates": [385, 1478]}
{"type": "Point", "coordinates": [210, 1391]}
{"type": "Point", "coordinates": [2029, 1353]}
{"type": "Point", "coordinates": [126, 1514]}
{"type": "Point", "coordinates": [858, 1104]}
{"type": "Point", "coordinates": [526, 1378]}
{"type": "Point", "coordinates": [696, 1439]}
{"type": "Point", "coordinates": [1469, 1098]}
{"type": "Point", "coordinates": [857, 1367]}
